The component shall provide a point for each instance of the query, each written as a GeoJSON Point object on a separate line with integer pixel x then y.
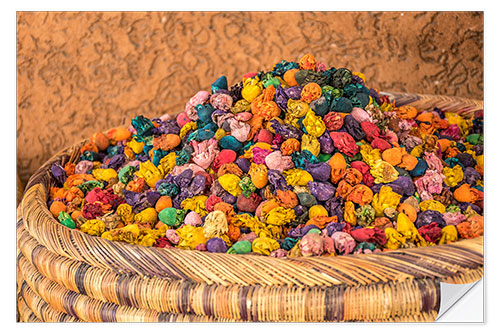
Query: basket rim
{"type": "Point", "coordinates": [218, 267]}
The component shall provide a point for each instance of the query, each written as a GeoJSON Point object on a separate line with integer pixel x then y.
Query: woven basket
{"type": "Point", "coordinates": [68, 276]}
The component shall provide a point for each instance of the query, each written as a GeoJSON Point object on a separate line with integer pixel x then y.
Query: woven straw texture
{"type": "Point", "coordinates": [68, 276]}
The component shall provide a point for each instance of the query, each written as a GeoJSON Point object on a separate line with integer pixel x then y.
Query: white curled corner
{"type": "Point", "coordinates": [461, 303]}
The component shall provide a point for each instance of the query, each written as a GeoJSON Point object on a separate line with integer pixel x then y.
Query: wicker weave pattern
{"type": "Point", "coordinates": [183, 297]}
{"type": "Point", "coordinates": [462, 106]}
{"type": "Point", "coordinates": [25, 313]}
{"type": "Point", "coordinates": [66, 275]}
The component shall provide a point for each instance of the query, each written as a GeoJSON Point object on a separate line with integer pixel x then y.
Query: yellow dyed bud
{"type": "Point", "coordinates": [310, 143]}
{"type": "Point", "coordinates": [313, 124]}
{"type": "Point", "coordinates": [408, 230]}
{"type": "Point", "coordinates": [370, 156]}
{"type": "Point", "coordinates": [148, 215]}
{"type": "Point", "coordinates": [350, 213]}
{"type": "Point", "coordinates": [219, 134]}
{"type": "Point", "coordinates": [383, 172]}
{"type": "Point", "coordinates": [125, 212]}
{"type": "Point", "coordinates": [279, 216]}
{"type": "Point", "coordinates": [264, 245]}
{"type": "Point", "coordinates": [394, 239]}
{"type": "Point", "coordinates": [230, 183]}
{"type": "Point", "coordinates": [432, 205]}
{"type": "Point", "coordinates": [453, 175]}
{"type": "Point", "coordinates": [417, 151]}
{"type": "Point", "coordinates": [449, 234]}
{"type": "Point", "coordinates": [136, 146]}
{"type": "Point", "coordinates": [190, 237]}
{"type": "Point", "coordinates": [196, 203]}
{"type": "Point", "coordinates": [297, 109]}
{"type": "Point", "coordinates": [150, 173]}
{"type": "Point", "coordinates": [251, 89]}
{"type": "Point", "coordinates": [93, 227]}
{"type": "Point", "coordinates": [186, 128]}
{"type": "Point", "coordinates": [104, 174]}
{"type": "Point", "coordinates": [296, 177]}
{"type": "Point", "coordinates": [317, 210]}
{"type": "Point", "coordinates": [385, 198]}
{"type": "Point", "coordinates": [167, 163]}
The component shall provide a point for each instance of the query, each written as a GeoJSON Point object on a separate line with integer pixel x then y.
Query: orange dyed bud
{"type": "Point", "coordinates": [360, 194]}
{"type": "Point", "coordinates": [118, 134]}
{"type": "Point", "coordinates": [338, 166]}
{"type": "Point", "coordinates": [310, 92]}
{"type": "Point", "coordinates": [406, 112]}
{"type": "Point", "coordinates": [409, 211]}
{"type": "Point", "coordinates": [465, 193]}
{"type": "Point", "coordinates": [289, 77]}
{"type": "Point", "coordinates": [90, 146]}
{"type": "Point", "coordinates": [307, 62]}
{"type": "Point", "coordinates": [56, 207]}
{"type": "Point", "coordinates": [100, 140]}
{"type": "Point", "coordinates": [289, 146]}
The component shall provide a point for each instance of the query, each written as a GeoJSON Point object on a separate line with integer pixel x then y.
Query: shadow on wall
{"type": "Point", "coordinates": [81, 72]}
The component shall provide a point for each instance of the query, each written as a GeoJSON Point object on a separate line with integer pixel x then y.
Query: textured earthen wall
{"type": "Point", "coordinates": [80, 72]}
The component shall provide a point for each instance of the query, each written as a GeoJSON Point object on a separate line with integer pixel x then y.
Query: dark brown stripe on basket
{"type": "Point", "coordinates": [185, 297]}
{"type": "Point", "coordinates": [44, 308]}
{"type": "Point", "coordinates": [334, 303]}
{"type": "Point", "coordinates": [35, 252]}
{"type": "Point", "coordinates": [140, 262]}
{"type": "Point", "coordinates": [79, 277]}
{"type": "Point", "coordinates": [108, 312]}
{"type": "Point", "coordinates": [68, 302]}
{"type": "Point", "coordinates": [437, 294]}
{"type": "Point", "coordinates": [123, 286]}
{"type": "Point", "coordinates": [251, 309]}
{"type": "Point", "coordinates": [242, 302]}
{"type": "Point", "coordinates": [427, 295]}
{"type": "Point", "coordinates": [420, 263]}
{"type": "Point", "coordinates": [164, 317]}
{"type": "Point", "coordinates": [19, 255]}
{"type": "Point", "coordinates": [207, 299]}
{"type": "Point", "coordinates": [169, 267]}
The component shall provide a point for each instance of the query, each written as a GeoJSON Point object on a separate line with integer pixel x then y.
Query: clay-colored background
{"type": "Point", "coordinates": [81, 72]}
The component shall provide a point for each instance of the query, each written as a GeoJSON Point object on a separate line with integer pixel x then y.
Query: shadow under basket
{"type": "Point", "coordinates": [64, 275]}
